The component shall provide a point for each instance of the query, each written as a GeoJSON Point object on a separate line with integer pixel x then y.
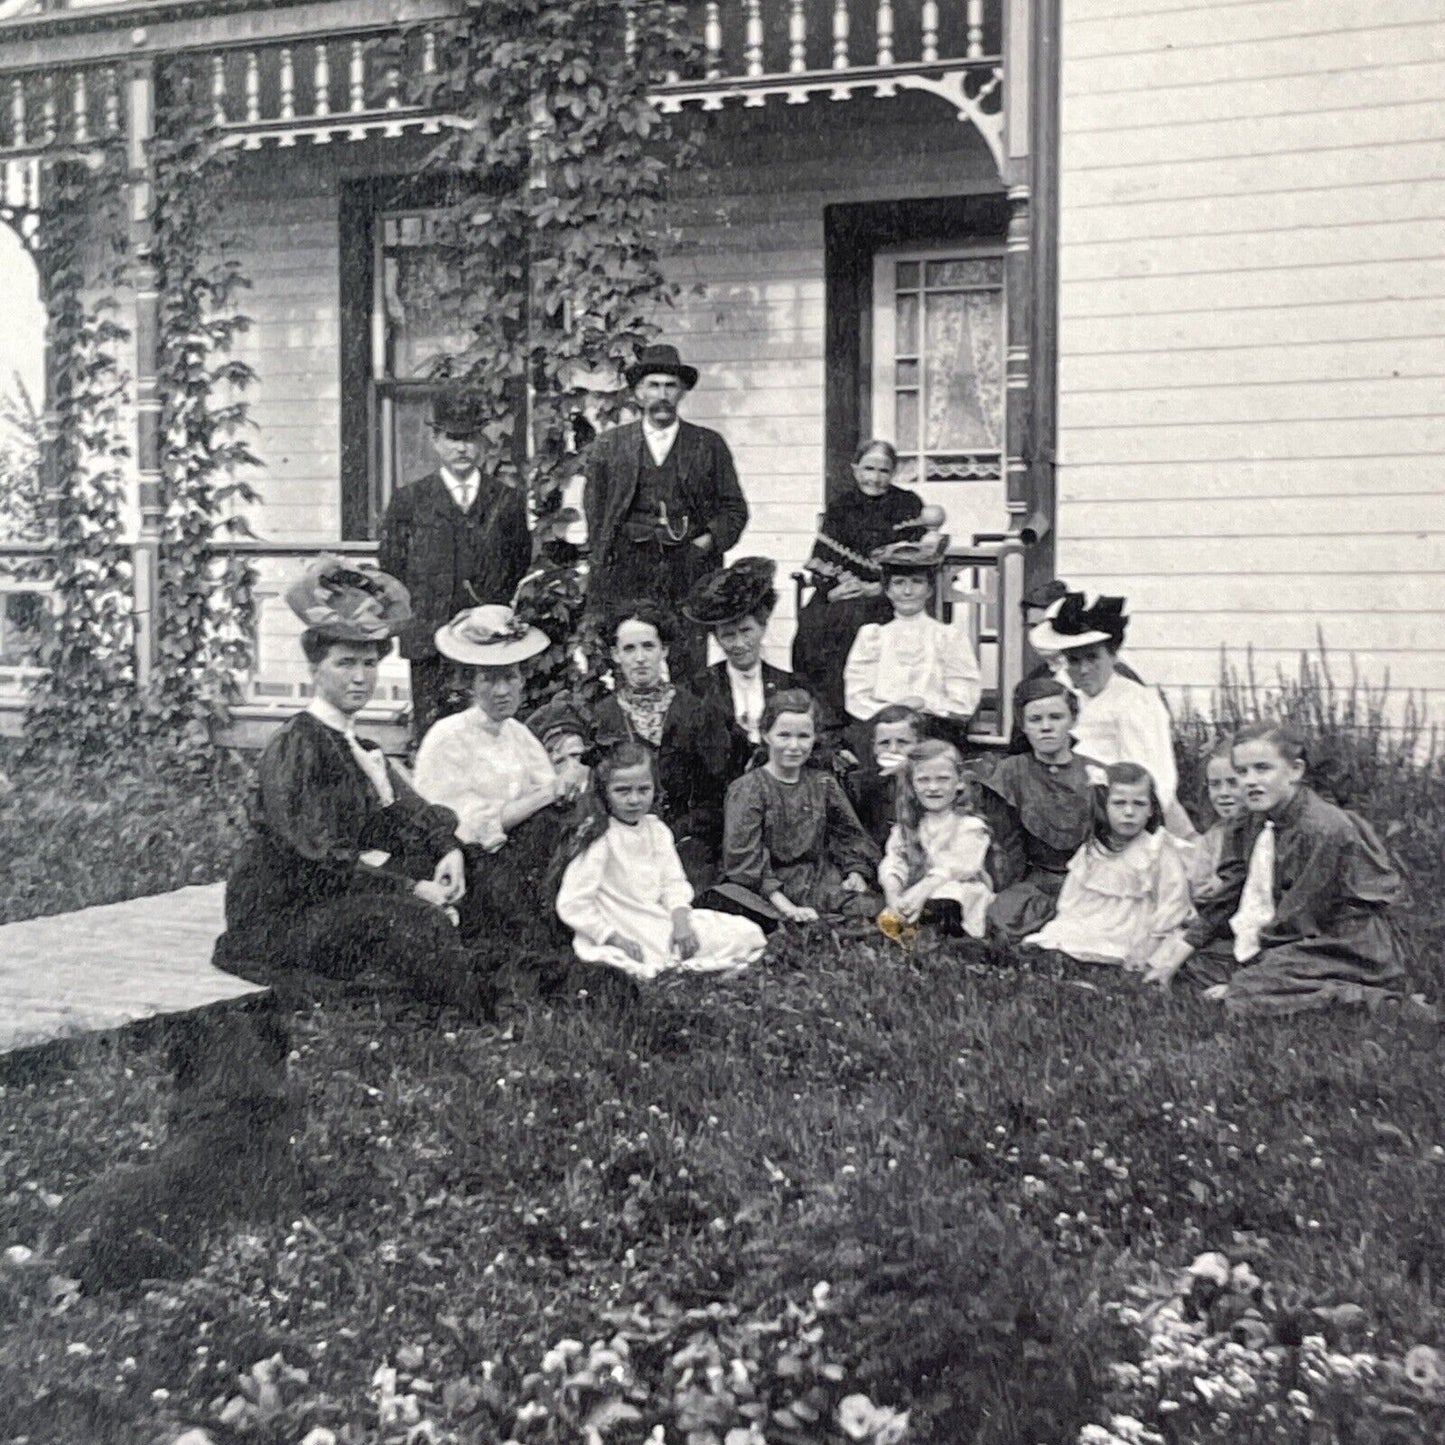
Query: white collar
{"type": "Point", "coordinates": [331, 717]}
{"type": "Point", "coordinates": [756, 673]}
{"type": "Point", "coordinates": [662, 433]}
{"type": "Point", "coordinates": [460, 479]}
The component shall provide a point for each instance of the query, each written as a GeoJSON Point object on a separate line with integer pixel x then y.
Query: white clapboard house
{"type": "Point", "coordinates": [1147, 291]}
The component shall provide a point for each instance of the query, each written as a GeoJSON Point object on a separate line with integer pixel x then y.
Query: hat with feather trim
{"type": "Point", "coordinates": [924, 555]}
{"type": "Point", "coordinates": [491, 636]}
{"type": "Point", "coordinates": [742, 590]}
{"type": "Point", "coordinates": [346, 604]}
{"type": "Point", "coordinates": [1074, 621]}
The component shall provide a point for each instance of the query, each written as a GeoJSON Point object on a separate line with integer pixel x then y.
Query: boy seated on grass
{"type": "Point", "coordinates": [1300, 918]}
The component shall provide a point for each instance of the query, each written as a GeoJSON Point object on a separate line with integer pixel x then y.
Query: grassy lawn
{"type": "Point", "coordinates": [999, 1175]}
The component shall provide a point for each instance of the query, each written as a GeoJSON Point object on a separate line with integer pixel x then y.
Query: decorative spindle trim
{"type": "Point", "coordinates": [321, 79]}
{"type": "Point", "coordinates": [753, 41]}
{"type": "Point", "coordinates": [929, 22]}
{"type": "Point", "coordinates": [885, 33]}
{"type": "Point", "coordinates": [797, 38]}
{"type": "Point", "coordinates": [288, 84]}
{"type": "Point", "coordinates": [840, 35]}
{"type": "Point", "coordinates": [253, 87]}
{"type": "Point", "coordinates": [358, 76]}
{"type": "Point", "coordinates": [218, 89]}
{"type": "Point", "coordinates": [712, 37]}
{"type": "Point", "coordinates": [80, 108]}
{"type": "Point", "coordinates": [974, 40]}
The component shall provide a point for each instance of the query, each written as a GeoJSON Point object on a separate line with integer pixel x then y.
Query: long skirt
{"type": "Point", "coordinates": [1024, 907]}
{"type": "Point", "coordinates": [823, 641]}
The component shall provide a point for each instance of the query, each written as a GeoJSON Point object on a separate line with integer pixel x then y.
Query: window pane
{"type": "Point", "coordinates": [907, 276]}
{"type": "Point", "coordinates": [907, 416]}
{"type": "Point", "coordinates": [907, 373]}
{"type": "Point", "coordinates": [964, 370]}
{"type": "Point", "coordinates": [421, 313]}
{"type": "Point", "coordinates": [906, 343]}
{"type": "Point", "coordinates": [984, 271]}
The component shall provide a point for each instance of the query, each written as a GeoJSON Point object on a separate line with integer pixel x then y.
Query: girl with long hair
{"type": "Point", "coordinates": [623, 892]}
{"type": "Point", "coordinates": [933, 867]}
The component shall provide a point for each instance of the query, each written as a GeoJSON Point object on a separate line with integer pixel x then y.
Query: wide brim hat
{"type": "Point", "coordinates": [347, 603]}
{"type": "Point", "coordinates": [661, 360]}
{"type": "Point", "coordinates": [559, 715]}
{"type": "Point", "coordinates": [491, 636]}
{"type": "Point", "coordinates": [926, 554]}
{"type": "Point", "coordinates": [459, 413]}
{"type": "Point", "coordinates": [1076, 621]}
{"type": "Point", "coordinates": [736, 592]}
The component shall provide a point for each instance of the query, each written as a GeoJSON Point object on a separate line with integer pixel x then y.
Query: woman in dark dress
{"type": "Point", "coordinates": [848, 587]}
{"type": "Point", "coordinates": [689, 735]}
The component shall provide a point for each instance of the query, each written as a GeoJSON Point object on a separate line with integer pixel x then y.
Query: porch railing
{"type": "Point", "coordinates": [345, 84]}
{"type": "Point", "coordinates": [989, 580]}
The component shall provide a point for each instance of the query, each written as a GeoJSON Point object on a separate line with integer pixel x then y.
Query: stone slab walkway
{"type": "Point", "coordinates": [104, 967]}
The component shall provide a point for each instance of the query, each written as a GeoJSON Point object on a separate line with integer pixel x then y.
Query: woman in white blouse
{"type": "Point", "coordinates": [1121, 720]}
{"type": "Point", "coordinates": [491, 770]}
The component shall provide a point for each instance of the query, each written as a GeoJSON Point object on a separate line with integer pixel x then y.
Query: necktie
{"type": "Point", "coordinates": [371, 761]}
{"type": "Point", "coordinates": [1256, 900]}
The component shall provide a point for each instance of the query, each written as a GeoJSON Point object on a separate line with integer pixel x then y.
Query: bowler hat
{"type": "Point", "coordinates": [661, 361]}
{"type": "Point", "coordinates": [346, 604]}
{"type": "Point", "coordinates": [742, 590]}
{"type": "Point", "coordinates": [458, 414]}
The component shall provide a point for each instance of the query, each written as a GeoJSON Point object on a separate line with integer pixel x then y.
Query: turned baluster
{"type": "Point", "coordinates": [218, 89]}
{"type": "Point", "coordinates": [974, 49]}
{"type": "Point", "coordinates": [253, 88]}
{"type": "Point", "coordinates": [753, 40]}
{"type": "Point", "coordinates": [840, 35]}
{"type": "Point", "coordinates": [428, 52]}
{"type": "Point", "coordinates": [321, 79]}
{"type": "Point", "coordinates": [629, 31]}
{"type": "Point", "coordinates": [80, 108]}
{"type": "Point", "coordinates": [930, 31]}
{"type": "Point", "coordinates": [712, 39]}
{"type": "Point", "coordinates": [358, 77]}
{"type": "Point", "coordinates": [885, 32]}
{"type": "Point", "coordinates": [797, 38]}
{"type": "Point", "coordinates": [288, 84]}
{"type": "Point", "coordinates": [391, 85]}
{"type": "Point", "coordinates": [48, 124]}
{"type": "Point", "coordinates": [112, 100]}
{"type": "Point", "coordinates": [17, 112]}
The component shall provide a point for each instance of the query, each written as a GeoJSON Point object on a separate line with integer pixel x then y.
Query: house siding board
{"type": "Point", "coordinates": [1252, 332]}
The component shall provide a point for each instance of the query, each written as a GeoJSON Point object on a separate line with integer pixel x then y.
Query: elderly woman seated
{"type": "Point", "coordinates": [735, 605]}
{"type": "Point", "coordinates": [511, 802]}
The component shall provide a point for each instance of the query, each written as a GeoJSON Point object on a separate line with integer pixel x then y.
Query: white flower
{"type": "Point", "coordinates": [1425, 1368]}
{"type": "Point", "coordinates": [1243, 1279]}
{"type": "Point", "coordinates": [892, 1429]}
{"type": "Point", "coordinates": [1213, 1267]}
{"type": "Point", "coordinates": [857, 1416]}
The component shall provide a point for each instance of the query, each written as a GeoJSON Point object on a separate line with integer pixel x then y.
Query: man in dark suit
{"type": "Point", "coordinates": [457, 538]}
{"type": "Point", "coordinates": [662, 501]}
{"type": "Point", "coordinates": [735, 605]}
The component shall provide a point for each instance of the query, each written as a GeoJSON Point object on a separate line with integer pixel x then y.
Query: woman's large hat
{"type": "Point", "coordinates": [1075, 621]}
{"type": "Point", "coordinates": [490, 637]}
{"type": "Point", "coordinates": [742, 590]}
{"type": "Point", "coordinates": [661, 361]}
{"type": "Point", "coordinates": [347, 604]}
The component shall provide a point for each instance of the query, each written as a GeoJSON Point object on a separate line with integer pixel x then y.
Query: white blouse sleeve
{"type": "Point", "coordinates": [966, 854]}
{"type": "Point", "coordinates": [860, 673]}
{"type": "Point", "coordinates": [893, 870]}
{"type": "Point", "coordinates": [1146, 738]}
{"type": "Point", "coordinates": [577, 898]}
{"type": "Point", "coordinates": [1172, 905]}
{"type": "Point", "coordinates": [676, 891]}
{"type": "Point", "coordinates": [962, 685]}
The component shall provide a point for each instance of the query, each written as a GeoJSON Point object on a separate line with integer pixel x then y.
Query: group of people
{"type": "Point", "coordinates": [694, 809]}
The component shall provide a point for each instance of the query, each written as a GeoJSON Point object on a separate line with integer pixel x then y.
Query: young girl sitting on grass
{"type": "Point", "coordinates": [872, 787]}
{"type": "Point", "coordinates": [1126, 896]}
{"type": "Point", "coordinates": [933, 868]}
{"type": "Point", "coordinates": [793, 848]}
{"type": "Point", "coordinates": [1305, 888]}
{"type": "Point", "coordinates": [624, 894]}
{"type": "Point", "coordinates": [1226, 798]}
{"type": "Point", "coordinates": [1039, 806]}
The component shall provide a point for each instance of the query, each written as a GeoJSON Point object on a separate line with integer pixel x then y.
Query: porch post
{"type": "Point", "coordinates": [140, 189]}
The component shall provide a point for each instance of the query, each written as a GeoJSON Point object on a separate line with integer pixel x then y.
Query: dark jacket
{"type": "Point", "coordinates": [707, 488]}
{"type": "Point", "coordinates": [313, 814]}
{"type": "Point", "coordinates": [711, 686]}
{"type": "Point", "coordinates": [435, 549]}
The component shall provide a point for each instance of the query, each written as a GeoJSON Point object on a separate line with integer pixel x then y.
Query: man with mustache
{"type": "Point", "coordinates": [662, 501]}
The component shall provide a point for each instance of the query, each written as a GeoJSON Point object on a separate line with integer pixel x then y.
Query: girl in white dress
{"type": "Point", "coordinates": [624, 894]}
{"type": "Point", "coordinates": [933, 868]}
{"type": "Point", "coordinates": [1126, 895]}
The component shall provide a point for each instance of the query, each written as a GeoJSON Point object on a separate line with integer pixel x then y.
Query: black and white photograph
{"type": "Point", "coordinates": [720, 722]}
